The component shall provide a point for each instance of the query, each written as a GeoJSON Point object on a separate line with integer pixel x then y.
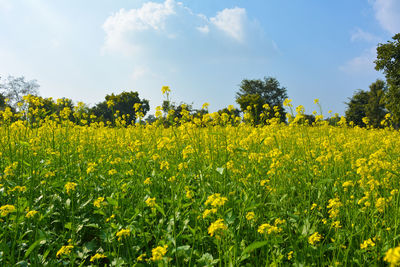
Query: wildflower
{"type": "Point", "coordinates": [164, 165]}
{"type": "Point", "coordinates": [380, 204]}
{"type": "Point", "coordinates": [64, 250]}
{"type": "Point", "coordinates": [98, 202]}
{"type": "Point", "coordinates": [6, 209]}
{"type": "Point", "coordinates": [290, 255]}
{"type": "Point", "coordinates": [158, 253]}
{"type": "Point", "coordinates": [207, 212]}
{"type": "Point", "coordinates": [97, 256]}
{"type": "Point", "coordinates": [112, 172]}
{"type": "Point", "coordinates": [216, 227]}
{"type": "Point", "coordinates": [313, 206]}
{"type": "Point", "coordinates": [70, 186]}
{"type": "Point", "coordinates": [147, 181]}
{"type": "Point", "coordinates": [250, 216]}
{"type": "Point", "coordinates": [216, 200]}
{"type": "Point", "coordinates": [316, 101]}
{"type": "Point", "coordinates": [91, 167]}
{"type": "Point", "coordinates": [367, 243]}
{"type": "Point", "coordinates": [18, 189]}
{"type": "Point", "coordinates": [393, 256]}
{"type": "Point", "coordinates": [123, 233]}
{"type": "Point", "coordinates": [334, 205]}
{"type": "Point", "coordinates": [141, 257]}
{"type": "Point", "coordinates": [31, 214]}
{"type": "Point", "coordinates": [279, 221]}
{"type": "Point", "coordinates": [205, 105]}
{"type": "Point", "coordinates": [151, 202]}
{"type": "Point", "coordinates": [110, 218]}
{"type": "Point", "coordinates": [336, 225]}
{"type": "Point", "coordinates": [314, 238]}
{"type": "Point", "coordinates": [165, 89]}
{"type": "Point", "coordinates": [269, 229]}
{"type": "Point", "coordinates": [189, 193]}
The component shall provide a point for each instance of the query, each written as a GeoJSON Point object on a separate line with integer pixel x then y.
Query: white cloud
{"type": "Point", "coordinates": [361, 64]}
{"type": "Point", "coordinates": [150, 16]}
{"type": "Point", "coordinates": [360, 35]}
{"type": "Point", "coordinates": [232, 22]}
{"type": "Point", "coordinates": [203, 29]}
{"type": "Point", "coordinates": [387, 12]}
{"type": "Point", "coordinates": [5, 5]}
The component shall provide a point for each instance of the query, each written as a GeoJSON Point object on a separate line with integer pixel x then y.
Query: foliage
{"type": "Point", "coordinates": [121, 105]}
{"type": "Point", "coordinates": [388, 61]}
{"type": "Point", "coordinates": [375, 109]}
{"type": "Point", "coordinates": [261, 96]}
{"type": "Point", "coordinates": [356, 107]}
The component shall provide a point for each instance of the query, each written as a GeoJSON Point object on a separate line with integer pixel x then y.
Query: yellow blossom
{"type": "Point", "coordinates": [123, 233]}
{"type": "Point", "coordinates": [70, 186]}
{"type": "Point", "coordinates": [141, 257]}
{"type": "Point", "coordinates": [250, 215]}
{"type": "Point", "coordinates": [269, 229]}
{"type": "Point", "coordinates": [207, 212]}
{"type": "Point", "coordinates": [393, 256]}
{"type": "Point", "coordinates": [151, 202]}
{"type": "Point", "coordinates": [367, 243]}
{"type": "Point", "coordinates": [147, 181]}
{"type": "Point", "coordinates": [99, 202]}
{"type": "Point", "coordinates": [315, 238]}
{"type": "Point", "coordinates": [31, 213]}
{"type": "Point", "coordinates": [158, 253]}
{"type": "Point", "coordinates": [165, 89]}
{"type": "Point", "coordinates": [64, 250]}
{"type": "Point", "coordinates": [6, 209]}
{"type": "Point", "coordinates": [216, 226]}
{"type": "Point", "coordinates": [216, 200]}
{"type": "Point", "coordinates": [97, 256]}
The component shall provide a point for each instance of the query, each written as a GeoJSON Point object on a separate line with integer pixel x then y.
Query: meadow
{"type": "Point", "coordinates": [207, 192]}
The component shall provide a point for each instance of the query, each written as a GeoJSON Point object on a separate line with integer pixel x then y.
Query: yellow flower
{"type": "Point", "coordinates": [64, 250]}
{"type": "Point", "coordinates": [380, 204]}
{"type": "Point", "coordinates": [6, 209]}
{"type": "Point", "coordinates": [216, 227]}
{"type": "Point", "coordinates": [316, 101]}
{"type": "Point", "coordinates": [151, 202]}
{"type": "Point", "coordinates": [98, 202]}
{"type": "Point", "coordinates": [110, 218]}
{"type": "Point", "coordinates": [216, 200]}
{"type": "Point", "coordinates": [290, 255]}
{"type": "Point", "coordinates": [250, 215]}
{"type": "Point", "coordinates": [393, 256]}
{"type": "Point", "coordinates": [205, 105]}
{"type": "Point", "coordinates": [313, 206]}
{"type": "Point", "coordinates": [165, 89]}
{"type": "Point", "coordinates": [123, 233]}
{"type": "Point", "coordinates": [31, 213]}
{"type": "Point", "coordinates": [208, 212]}
{"type": "Point", "coordinates": [91, 167]}
{"type": "Point", "coordinates": [70, 186]}
{"type": "Point", "coordinates": [97, 256]}
{"type": "Point", "coordinates": [158, 253]}
{"type": "Point", "coordinates": [367, 243]}
{"type": "Point", "coordinates": [269, 229]}
{"type": "Point", "coordinates": [315, 238]}
{"type": "Point", "coordinates": [141, 257]}
{"type": "Point", "coordinates": [147, 181]}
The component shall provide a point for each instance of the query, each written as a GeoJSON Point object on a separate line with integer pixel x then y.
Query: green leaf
{"type": "Point", "coordinates": [33, 246]}
{"type": "Point", "coordinates": [254, 246]}
{"type": "Point", "coordinates": [220, 170]}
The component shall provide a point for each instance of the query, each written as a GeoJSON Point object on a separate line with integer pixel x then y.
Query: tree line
{"type": "Point", "coordinates": [260, 101]}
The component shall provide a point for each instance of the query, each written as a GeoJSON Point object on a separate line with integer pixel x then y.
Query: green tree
{"type": "Point", "coordinates": [253, 96]}
{"type": "Point", "coordinates": [2, 102]}
{"type": "Point", "coordinates": [388, 61]}
{"type": "Point", "coordinates": [375, 109]}
{"type": "Point", "coordinates": [356, 107]}
{"type": "Point", "coordinates": [122, 104]}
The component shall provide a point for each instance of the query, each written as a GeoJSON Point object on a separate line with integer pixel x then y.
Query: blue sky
{"type": "Point", "coordinates": [202, 49]}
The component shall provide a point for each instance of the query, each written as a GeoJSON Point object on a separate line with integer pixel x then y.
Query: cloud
{"type": "Point", "coordinates": [231, 21]}
{"type": "Point", "coordinates": [387, 12]}
{"type": "Point", "coordinates": [139, 72]}
{"type": "Point", "coordinates": [5, 5]}
{"type": "Point", "coordinates": [129, 31]}
{"type": "Point", "coordinates": [151, 16]}
{"type": "Point", "coordinates": [361, 64]}
{"type": "Point", "coordinates": [360, 35]}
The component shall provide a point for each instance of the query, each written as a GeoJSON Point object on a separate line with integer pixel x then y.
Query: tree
{"type": "Point", "coordinates": [14, 88]}
{"type": "Point", "coordinates": [254, 95]}
{"type": "Point", "coordinates": [2, 102]}
{"type": "Point", "coordinates": [356, 108]}
{"type": "Point", "coordinates": [388, 61]}
{"type": "Point", "coordinates": [375, 109]}
{"type": "Point", "coordinates": [125, 104]}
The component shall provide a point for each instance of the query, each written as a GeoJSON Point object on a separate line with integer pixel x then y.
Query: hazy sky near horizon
{"type": "Point", "coordinates": [202, 49]}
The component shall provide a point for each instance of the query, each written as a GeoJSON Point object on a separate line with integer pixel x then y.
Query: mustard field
{"type": "Point", "coordinates": [204, 192]}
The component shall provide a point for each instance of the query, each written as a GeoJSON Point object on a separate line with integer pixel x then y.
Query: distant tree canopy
{"type": "Point", "coordinates": [369, 104]}
{"type": "Point", "coordinates": [388, 61]}
{"type": "Point", "coordinates": [255, 95]}
{"type": "Point", "coordinates": [14, 88]}
{"type": "Point", "coordinates": [126, 104]}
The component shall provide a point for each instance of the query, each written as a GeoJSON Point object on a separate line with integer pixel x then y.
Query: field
{"type": "Point", "coordinates": [198, 195]}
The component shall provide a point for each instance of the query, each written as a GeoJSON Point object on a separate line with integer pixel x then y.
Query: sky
{"type": "Point", "coordinates": [202, 49]}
